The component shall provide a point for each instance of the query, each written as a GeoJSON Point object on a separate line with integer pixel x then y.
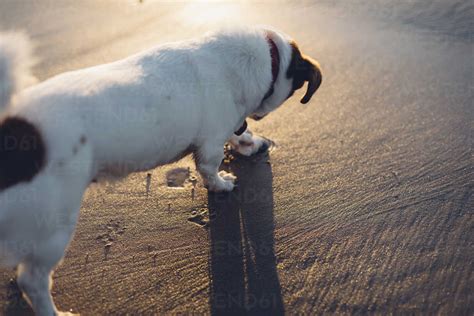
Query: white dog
{"type": "Point", "coordinates": [150, 109]}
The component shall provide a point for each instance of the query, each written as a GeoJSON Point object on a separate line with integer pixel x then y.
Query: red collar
{"type": "Point", "coordinates": [275, 55]}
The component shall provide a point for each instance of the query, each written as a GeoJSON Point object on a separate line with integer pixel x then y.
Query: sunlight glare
{"type": "Point", "coordinates": [199, 12]}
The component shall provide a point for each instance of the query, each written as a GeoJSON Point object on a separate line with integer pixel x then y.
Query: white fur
{"type": "Point", "coordinates": [134, 114]}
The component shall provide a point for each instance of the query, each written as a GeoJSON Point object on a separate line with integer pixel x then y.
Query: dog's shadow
{"type": "Point", "coordinates": [243, 272]}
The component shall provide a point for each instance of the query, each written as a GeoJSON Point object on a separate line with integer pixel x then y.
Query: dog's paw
{"type": "Point", "coordinates": [227, 176]}
{"type": "Point", "coordinates": [246, 151]}
{"type": "Point", "coordinates": [224, 182]}
{"type": "Point", "coordinates": [248, 147]}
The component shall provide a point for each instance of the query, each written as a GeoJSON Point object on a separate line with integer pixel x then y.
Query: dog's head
{"type": "Point", "coordinates": [297, 70]}
{"type": "Point", "coordinates": [303, 69]}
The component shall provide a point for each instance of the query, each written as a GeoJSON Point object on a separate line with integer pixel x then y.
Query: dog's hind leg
{"type": "Point", "coordinates": [35, 271]}
{"type": "Point", "coordinates": [35, 282]}
{"type": "Point", "coordinates": [52, 220]}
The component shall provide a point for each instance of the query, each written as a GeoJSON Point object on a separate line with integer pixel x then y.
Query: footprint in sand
{"type": "Point", "coordinates": [180, 178]}
{"type": "Point", "coordinates": [112, 230]}
{"type": "Point", "coordinates": [201, 217]}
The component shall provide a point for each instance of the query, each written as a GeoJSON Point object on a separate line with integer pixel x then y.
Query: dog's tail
{"type": "Point", "coordinates": [16, 60]}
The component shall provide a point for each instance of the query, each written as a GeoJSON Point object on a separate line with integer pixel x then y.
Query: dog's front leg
{"type": "Point", "coordinates": [208, 159]}
{"type": "Point", "coordinates": [246, 144]}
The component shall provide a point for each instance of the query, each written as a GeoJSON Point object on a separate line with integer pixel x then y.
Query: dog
{"type": "Point", "coordinates": [107, 121]}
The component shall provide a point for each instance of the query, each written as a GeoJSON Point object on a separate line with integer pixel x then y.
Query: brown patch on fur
{"type": "Point", "coordinates": [83, 140]}
{"type": "Point", "coordinates": [22, 152]}
{"type": "Point", "coordinates": [303, 68]}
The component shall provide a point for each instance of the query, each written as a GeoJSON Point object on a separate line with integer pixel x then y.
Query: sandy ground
{"type": "Point", "coordinates": [365, 204]}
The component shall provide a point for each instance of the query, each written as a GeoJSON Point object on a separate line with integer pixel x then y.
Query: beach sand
{"type": "Point", "coordinates": [364, 205]}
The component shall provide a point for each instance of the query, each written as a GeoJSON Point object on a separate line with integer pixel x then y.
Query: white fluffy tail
{"type": "Point", "coordinates": [16, 60]}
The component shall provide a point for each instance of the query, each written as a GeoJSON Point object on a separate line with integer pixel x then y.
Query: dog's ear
{"type": "Point", "coordinates": [301, 69]}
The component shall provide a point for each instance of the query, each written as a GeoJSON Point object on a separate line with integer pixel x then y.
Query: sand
{"type": "Point", "coordinates": [364, 205]}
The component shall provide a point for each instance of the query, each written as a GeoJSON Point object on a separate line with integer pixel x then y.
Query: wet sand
{"type": "Point", "coordinates": [364, 206]}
